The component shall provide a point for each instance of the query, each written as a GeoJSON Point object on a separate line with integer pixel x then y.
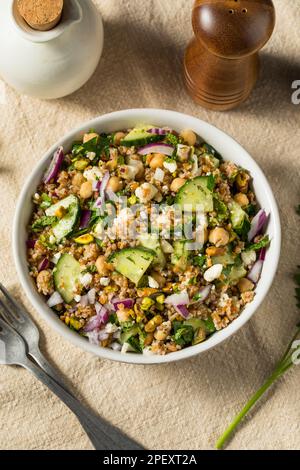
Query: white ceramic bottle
{"type": "Point", "coordinates": [50, 64]}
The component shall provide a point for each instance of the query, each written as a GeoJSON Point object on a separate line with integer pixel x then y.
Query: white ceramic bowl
{"type": "Point", "coordinates": [230, 150]}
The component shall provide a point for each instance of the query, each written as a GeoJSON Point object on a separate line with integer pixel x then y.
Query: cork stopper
{"type": "Point", "coordinates": [41, 15]}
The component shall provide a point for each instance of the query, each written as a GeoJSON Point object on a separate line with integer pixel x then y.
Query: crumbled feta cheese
{"type": "Point", "coordinates": [86, 279]}
{"type": "Point", "coordinates": [170, 166]}
{"type": "Point", "coordinates": [223, 299]}
{"type": "Point", "coordinates": [152, 283]}
{"type": "Point", "coordinates": [111, 328]}
{"type": "Point", "coordinates": [93, 174]}
{"type": "Point", "coordinates": [117, 334]}
{"type": "Point", "coordinates": [77, 298]}
{"type": "Point", "coordinates": [116, 346]}
{"type": "Point", "coordinates": [147, 351]}
{"type": "Point", "coordinates": [91, 155]}
{"type": "Point", "coordinates": [55, 258]}
{"type": "Point", "coordinates": [104, 281]}
{"type": "Point", "coordinates": [128, 172]}
{"type": "Point", "coordinates": [213, 273]}
{"type": "Point", "coordinates": [146, 192]}
{"type": "Point", "coordinates": [159, 175]}
{"type": "Point", "coordinates": [52, 239]}
{"type": "Point", "coordinates": [248, 257]}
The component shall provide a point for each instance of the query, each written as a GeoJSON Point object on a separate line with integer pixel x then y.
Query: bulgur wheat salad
{"type": "Point", "coordinates": [146, 240]}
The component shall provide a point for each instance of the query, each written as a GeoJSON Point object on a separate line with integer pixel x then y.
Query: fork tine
{"type": "Point", "coordinates": [15, 308]}
{"type": "Point", "coordinates": [6, 314]}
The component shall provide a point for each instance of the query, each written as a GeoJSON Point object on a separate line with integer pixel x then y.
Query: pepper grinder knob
{"type": "Point", "coordinates": [221, 63]}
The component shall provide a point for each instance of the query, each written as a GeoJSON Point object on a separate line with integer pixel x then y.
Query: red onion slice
{"type": "Point", "coordinates": [182, 310]}
{"type": "Point", "coordinates": [44, 264]}
{"type": "Point", "coordinates": [84, 301]}
{"type": "Point", "coordinates": [262, 254]}
{"type": "Point", "coordinates": [55, 166]}
{"type": "Point", "coordinates": [30, 243]}
{"type": "Point", "coordinates": [128, 303]}
{"type": "Point", "coordinates": [160, 131]}
{"type": "Point", "coordinates": [85, 219]}
{"type": "Point", "coordinates": [98, 320]}
{"type": "Point", "coordinates": [255, 272]}
{"type": "Point", "coordinates": [257, 224]}
{"type": "Point", "coordinates": [178, 299]}
{"type": "Point", "coordinates": [165, 149]}
{"type": "Point", "coordinates": [55, 300]}
{"type": "Point", "coordinates": [204, 293]}
{"type": "Point", "coordinates": [101, 199]}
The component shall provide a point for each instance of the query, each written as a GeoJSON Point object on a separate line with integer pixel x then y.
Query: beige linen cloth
{"type": "Point", "coordinates": [185, 405]}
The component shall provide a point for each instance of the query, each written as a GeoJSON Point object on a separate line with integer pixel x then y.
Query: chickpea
{"type": "Point", "coordinates": [245, 285]}
{"type": "Point", "coordinates": [219, 237]}
{"type": "Point", "coordinates": [118, 137]}
{"type": "Point", "coordinates": [157, 161]}
{"type": "Point", "coordinates": [86, 190]}
{"type": "Point", "coordinates": [77, 180]}
{"type": "Point", "coordinates": [241, 199]}
{"type": "Point", "coordinates": [189, 137]}
{"type": "Point", "coordinates": [90, 136]}
{"type": "Point", "coordinates": [114, 184]}
{"type": "Point", "coordinates": [102, 266]}
{"type": "Point", "coordinates": [177, 183]}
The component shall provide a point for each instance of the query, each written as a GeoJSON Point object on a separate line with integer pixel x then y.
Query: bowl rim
{"type": "Point", "coordinates": [51, 318]}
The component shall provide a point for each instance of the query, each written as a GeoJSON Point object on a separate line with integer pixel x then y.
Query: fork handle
{"type": "Point", "coordinates": [105, 437]}
{"type": "Point", "coordinates": [97, 422]}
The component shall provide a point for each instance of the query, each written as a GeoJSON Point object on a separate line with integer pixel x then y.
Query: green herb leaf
{"type": "Point", "coordinates": [172, 139]}
{"type": "Point", "coordinates": [46, 201]}
{"type": "Point", "coordinates": [211, 182]}
{"type": "Point", "coordinates": [43, 222]}
{"type": "Point", "coordinates": [264, 242]}
{"type": "Point", "coordinates": [286, 363]}
{"type": "Point", "coordinates": [183, 334]}
{"type": "Point", "coordinates": [199, 260]}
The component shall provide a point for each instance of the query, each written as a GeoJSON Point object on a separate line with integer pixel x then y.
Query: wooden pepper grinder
{"type": "Point", "coordinates": [41, 15]}
{"type": "Point", "coordinates": [221, 63]}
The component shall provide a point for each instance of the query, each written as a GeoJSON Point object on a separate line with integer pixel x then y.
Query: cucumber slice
{"type": "Point", "coordinates": [180, 256]}
{"type": "Point", "coordinates": [66, 275]}
{"type": "Point", "coordinates": [237, 214]}
{"type": "Point", "coordinates": [151, 241]}
{"type": "Point", "coordinates": [133, 262]}
{"type": "Point", "coordinates": [140, 137]}
{"type": "Point", "coordinates": [196, 192]}
{"type": "Point", "coordinates": [226, 259]}
{"type": "Point", "coordinates": [65, 203]}
{"type": "Point", "coordinates": [65, 225]}
{"type": "Point", "coordinates": [236, 273]}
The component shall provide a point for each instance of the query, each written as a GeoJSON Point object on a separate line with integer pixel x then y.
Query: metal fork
{"type": "Point", "coordinates": [17, 327]}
